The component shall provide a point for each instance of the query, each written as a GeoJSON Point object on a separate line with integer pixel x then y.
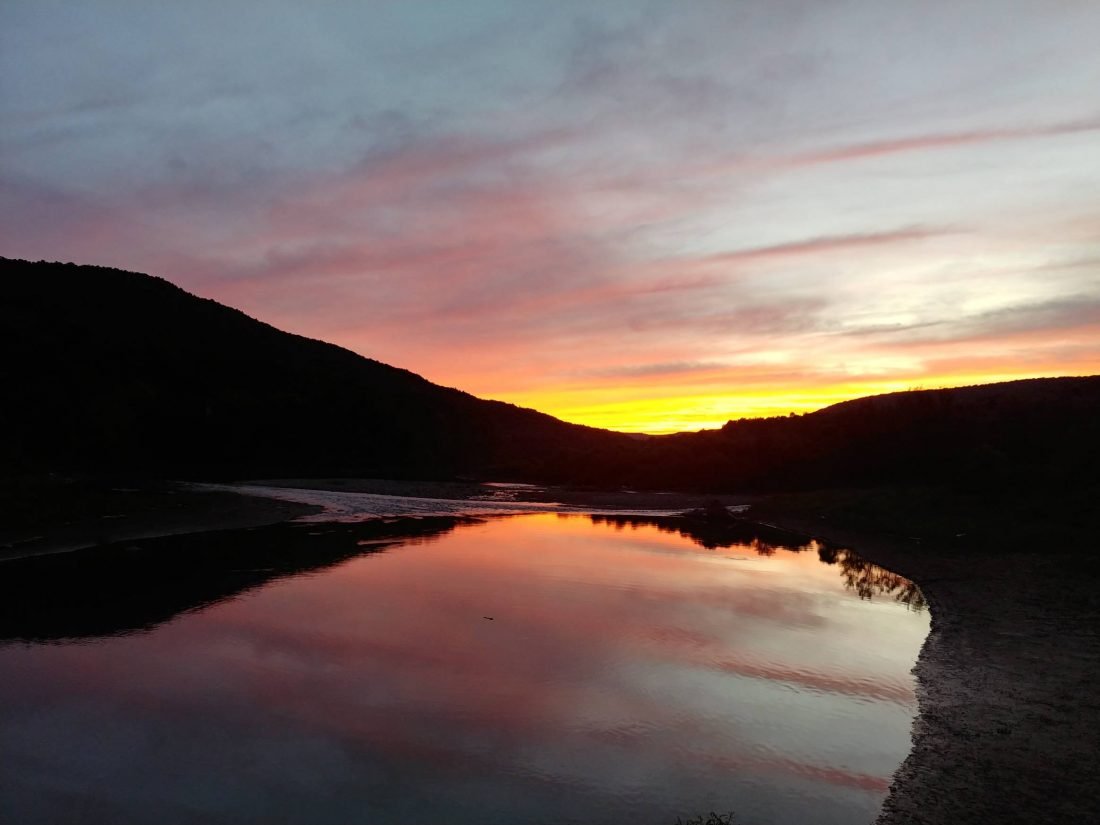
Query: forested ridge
{"type": "Point", "coordinates": [112, 371]}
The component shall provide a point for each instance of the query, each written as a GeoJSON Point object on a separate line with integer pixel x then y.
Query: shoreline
{"type": "Point", "coordinates": [63, 515]}
{"type": "Point", "coordinates": [1008, 684]}
{"type": "Point", "coordinates": [1008, 679]}
{"type": "Point", "coordinates": [80, 515]}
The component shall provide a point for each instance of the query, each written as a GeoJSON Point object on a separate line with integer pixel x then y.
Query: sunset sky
{"type": "Point", "coordinates": [649, 216]}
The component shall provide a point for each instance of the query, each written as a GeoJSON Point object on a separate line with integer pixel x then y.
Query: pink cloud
{"type": "Point", "coordinates": [825, 244]}
{"type": "Point", "coordinates": [944, 140]}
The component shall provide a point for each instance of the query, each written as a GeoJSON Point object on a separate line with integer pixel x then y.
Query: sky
{"type": "Point", "coordinates": [648, 216]}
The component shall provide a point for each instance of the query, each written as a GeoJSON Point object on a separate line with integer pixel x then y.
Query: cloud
{"type": "Point", "coordinates": [945, 140]}
{"type": "Point", "coordinates": [654, 370]}
{"type": "Point", "coordinates": [520, 202]}
{"type": "Point", "coordinates": [829, 243]}
{"type": "Point", "coordinates": [1059, 317]}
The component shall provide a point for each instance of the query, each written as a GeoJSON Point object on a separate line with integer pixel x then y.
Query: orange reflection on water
{"type": "Point", "coordinates": [518, 669]}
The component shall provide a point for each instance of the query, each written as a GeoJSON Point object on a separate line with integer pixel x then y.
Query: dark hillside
{"type": "Point", "coordinates": [111, 370]}
{"type": "Point", "coordinates": [1026, 434]}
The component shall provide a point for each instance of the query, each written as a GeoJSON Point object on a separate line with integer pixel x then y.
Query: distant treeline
{"type": "Point", "coordinates": [1039, 433]}
{"type": "Point", "coordinates": [111, 371]}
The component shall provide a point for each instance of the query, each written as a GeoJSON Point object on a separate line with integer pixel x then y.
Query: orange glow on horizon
{"type": "Point", "coordinates": [643, 409]}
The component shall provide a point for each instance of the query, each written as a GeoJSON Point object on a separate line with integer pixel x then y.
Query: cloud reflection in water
{"type": "Point", "coordinates": [624, 673]}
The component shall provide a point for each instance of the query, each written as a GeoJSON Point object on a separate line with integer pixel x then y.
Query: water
{"type": "Point", "coordinates": [480, 500]}
{"type": "Point", "coordinates": [528, 669]}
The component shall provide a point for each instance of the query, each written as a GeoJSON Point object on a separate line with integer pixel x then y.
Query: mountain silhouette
{"type": "Point", "coordinates": [1038, 433]}
{"type": "Point", "coordinates": [112, 371]}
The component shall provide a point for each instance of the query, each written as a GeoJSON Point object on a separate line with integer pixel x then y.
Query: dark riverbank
{"type": "Point", "coordinates": [53, 514]}
{"type": "Point", "coordinates": [1009, 678]}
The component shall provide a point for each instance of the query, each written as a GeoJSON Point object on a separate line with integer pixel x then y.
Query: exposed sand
{"type": "Point", "coordinates": [1008, 685]}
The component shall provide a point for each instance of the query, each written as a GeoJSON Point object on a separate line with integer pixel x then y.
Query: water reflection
{"type": "Point", "coordinates": [137, 585]}
{"type": "Point", "coordinates": [865, 579]}
{"type": "Point", "coordinates": [714, 533]}
{"type": "Point", "coordinates": [518, 670]}
{"type": "Point", "coordinates": [869, 580]}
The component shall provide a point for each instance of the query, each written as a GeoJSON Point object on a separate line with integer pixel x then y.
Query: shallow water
{"type": "Point", "coordinates": [491, 499]}
{"type": "Point", "coordinates": [530, 669]}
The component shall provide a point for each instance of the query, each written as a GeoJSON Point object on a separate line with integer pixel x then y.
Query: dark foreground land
{"type": "Point", "coordinates": [1008, 680]}
{"type": "Point", "coordinates": [51, 514]}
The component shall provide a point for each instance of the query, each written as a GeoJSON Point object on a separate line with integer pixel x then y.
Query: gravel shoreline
{"type": "Point", "coordinates": [1008, 685]}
